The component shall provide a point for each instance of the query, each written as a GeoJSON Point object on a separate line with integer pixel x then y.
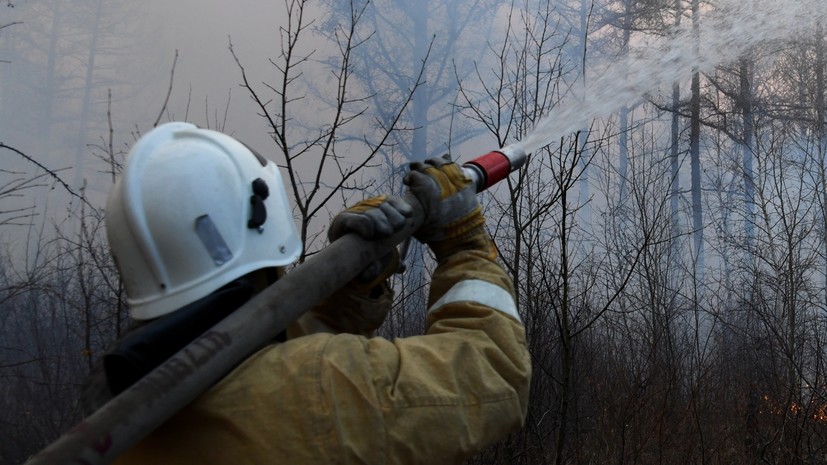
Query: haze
{"type": "Point", "coordinates": [667, 238]}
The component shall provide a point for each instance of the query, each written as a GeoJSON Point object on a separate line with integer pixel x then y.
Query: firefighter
{"type": "Point", "coordinates": [199, 223]}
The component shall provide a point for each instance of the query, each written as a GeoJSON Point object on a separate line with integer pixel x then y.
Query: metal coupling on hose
{"type": "Point", "coordinates": [491, 168]}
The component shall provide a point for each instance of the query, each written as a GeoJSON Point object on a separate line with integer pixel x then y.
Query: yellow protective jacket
{"type": "Point", "coordinates": [346, 398]}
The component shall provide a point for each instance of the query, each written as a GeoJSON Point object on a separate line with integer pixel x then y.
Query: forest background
{"type": "Point", "coordinates": [670, 256]}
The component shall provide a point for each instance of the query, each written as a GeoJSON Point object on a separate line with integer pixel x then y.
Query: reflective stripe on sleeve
{"type": "Point", "coordinates": [481, 292]}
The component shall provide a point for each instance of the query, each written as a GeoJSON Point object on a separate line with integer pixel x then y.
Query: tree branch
{"type": "Point", "coordinates": [51, 173]}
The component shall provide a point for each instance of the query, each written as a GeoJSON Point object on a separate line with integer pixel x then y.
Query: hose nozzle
{"type": "Point", "coordinates": [491, 168]}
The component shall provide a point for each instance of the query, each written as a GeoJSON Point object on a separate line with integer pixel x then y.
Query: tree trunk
{"type": "Point", "coordinates": [745, 75]}
{"type": "Point", "coordinates": [821, 134]}
{"type": "Point", "coordinates": [87, 96]}
{"type": "Point", "coordinates": [674, 155]}
{"type": "Point", "coordinates": [565, 335]}
{"type": "Point", "coordinates": [420, 103]}
{"type": "Point", "coordinates": [585, 14]}
{"type": "Point", "coordinates": [695, 155]}
{"type": "Point", "coordinates": [50, 92]}
{"type": "Point", "coordinates": [623, 142]}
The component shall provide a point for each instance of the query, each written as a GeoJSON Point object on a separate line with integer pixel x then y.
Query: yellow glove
{"type": "Point", "coordinates": [453, 220]}
{"type": "Point", "coordinates": [346, 311]}
{"type": "Point", "coordinates": [373, 218]}
{"type": "Point", "coordinates": [363, 304]}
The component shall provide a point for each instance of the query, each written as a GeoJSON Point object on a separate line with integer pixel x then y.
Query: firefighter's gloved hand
{"type": "Point", "coordinates": [346, 311]}
{"type": "Point", "coordinates": [453, 218]}
{"type": "Point", "coordinates": [373, 218]}
{"type": "Point", "coordinates": [363, 304]}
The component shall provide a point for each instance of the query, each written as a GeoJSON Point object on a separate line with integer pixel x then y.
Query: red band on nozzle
{"type": "Point", "coordinates": [494, 166]}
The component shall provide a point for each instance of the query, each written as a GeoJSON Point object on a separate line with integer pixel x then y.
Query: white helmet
{"type": "Point", "coordinates": [194, 210]}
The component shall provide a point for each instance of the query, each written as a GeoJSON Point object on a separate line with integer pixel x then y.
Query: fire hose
{"type": "Point", "coordinates": [132, 415]}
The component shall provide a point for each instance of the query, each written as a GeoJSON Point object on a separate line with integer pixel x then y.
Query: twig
{"type": "Point", "coordinates": [51, 173]}
{"type": "Point", "coordinates": [3, 26]}
{"type": "Point", "coordinates": [169, 91]}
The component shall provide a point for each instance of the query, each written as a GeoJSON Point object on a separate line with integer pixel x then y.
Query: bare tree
{"type": "Point", "coordinates": [65, 56]}
{"type": "Point", "coordinates": [399, 37]}
{"type": "Point", "coordinates": [61, 304]}
{"type": "Point", "coordinates": [566, 286]}
{"type": "Point", "coordinates": [322, 160]}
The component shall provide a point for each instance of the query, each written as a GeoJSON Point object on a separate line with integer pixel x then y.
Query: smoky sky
{"type": "Point", "coordinates": [46, 89]}
{"type": "Point", "coordinates": [201, 32]}
{"type": "Point", "coordinates": [59, 113]}
{"type": "Point", "coordinates": [205, 76]}
{"type": "Point", "coordinates": [137, 45]}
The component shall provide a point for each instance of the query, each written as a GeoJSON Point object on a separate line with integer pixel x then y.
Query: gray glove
{"type": "Point", "coordinates": [373, 218]}
{"type": "Point", "coordinates": [453, 214]}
